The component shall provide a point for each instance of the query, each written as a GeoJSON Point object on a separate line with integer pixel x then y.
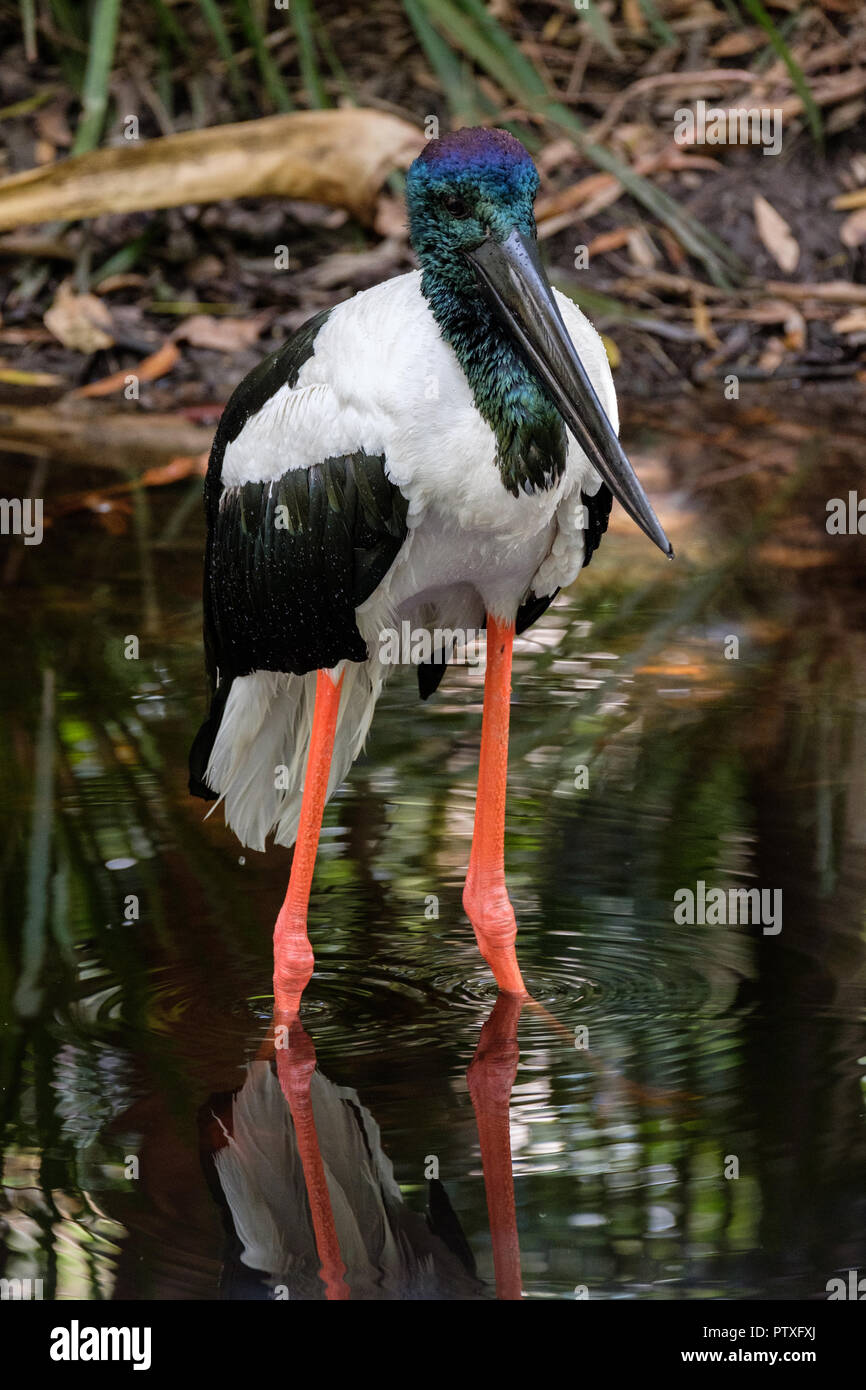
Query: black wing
{"type": "Point", "coordinates": [597, 515]}
{"type": "Point", "coordinates": [288, 562]}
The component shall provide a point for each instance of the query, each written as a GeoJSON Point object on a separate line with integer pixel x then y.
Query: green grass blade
{"type": "Point", "coordinates": [483, 40]}
{"type": "Point", "coordinates": [28, 104]}
{"type": "Point", "coordinates": [123, 260]}
{"type": "Point", "coordinates": [338, 72]}
{"type": "Point", "coordinates": [100, 58]}
{"type": "Point", "coordinates": [28, 28]}
{"type": "Point", "coordinates": [663, 32]}
{"type": "Point", "coordinates": [69, 18]}
{"type": "Point", "coordinates": [214, 20]}
{"type": "Point", "coordinates": [465, 98]}
{"type": "Point", "coordinates": [813, 114]}
{"type": "Point", "coordinates": [68, 22]}
{"type": "Point", "coordinates": [169, 25]}
{"type": "Point", "coordinates": [302, 15]}
{"type": "Point", "coordinates": [274, 84]}
{"type": "Point", "coordinates": [599, 26]}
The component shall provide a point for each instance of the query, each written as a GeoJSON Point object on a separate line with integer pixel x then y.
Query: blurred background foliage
{"type": "Point", "coordinates": [686, 273]}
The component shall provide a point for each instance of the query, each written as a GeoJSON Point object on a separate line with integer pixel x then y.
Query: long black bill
{"type": "Point", "coordinates": [514, 281]}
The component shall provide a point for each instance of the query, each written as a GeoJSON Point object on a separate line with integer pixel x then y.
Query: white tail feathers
{"type": "Point", "coordinates": [259, 756]}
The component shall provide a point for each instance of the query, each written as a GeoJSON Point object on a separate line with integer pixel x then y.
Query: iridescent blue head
{"type": "Point", "coordinates": [470, 199]}
{"type": "Point", "coordinates": [470, 185]}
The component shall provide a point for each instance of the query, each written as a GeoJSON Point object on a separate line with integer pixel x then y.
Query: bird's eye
{"type": "Point", "coordinates": [455, 205]}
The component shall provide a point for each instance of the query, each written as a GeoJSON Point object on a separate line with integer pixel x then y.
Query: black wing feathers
{"type": "Point", "coordinates": [288, 562]}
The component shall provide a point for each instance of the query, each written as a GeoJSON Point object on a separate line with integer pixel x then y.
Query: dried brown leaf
{"type": "Point", "coordinates": [739, 42]}
{"type": "Point", "coordinates": [853, 229]}
{"type": "Point", "coordinates": [79, 321]}
{"type": "Point", "coordinates": [149, 369]}
{"type": "Point", "coordinates": [221, 335]}
{"type": "Point", "coordinates": [855, 322]}
{"type": "Point", "coordinates": [339, 157]}
{"type": "Point", "coordinates": [776, 235]}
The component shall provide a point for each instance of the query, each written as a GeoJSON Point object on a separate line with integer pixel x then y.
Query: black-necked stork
{"type": "Point", "coordinates": [441, 448]}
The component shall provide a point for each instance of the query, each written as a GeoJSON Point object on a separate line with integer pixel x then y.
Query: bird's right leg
{"type": "Point", "coordinates": [485, 896]}
{"type": "Point", "coordinates": [293, 954]}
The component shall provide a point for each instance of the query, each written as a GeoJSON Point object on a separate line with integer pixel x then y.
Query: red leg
{"type": "Point", "coordinates": [293, 955]}
{"type": "Point", "coordinates": [485, 896]}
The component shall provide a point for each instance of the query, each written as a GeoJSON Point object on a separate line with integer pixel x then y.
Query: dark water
{"type": "Point", "coordinates": [686, 1114]}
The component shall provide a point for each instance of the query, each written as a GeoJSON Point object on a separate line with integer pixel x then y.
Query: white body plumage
{"type": "Point", "coordinates": [382, 379]}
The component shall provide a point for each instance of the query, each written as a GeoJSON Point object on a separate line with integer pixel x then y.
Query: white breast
{"type": "Point", "coordinates": [382, 379]}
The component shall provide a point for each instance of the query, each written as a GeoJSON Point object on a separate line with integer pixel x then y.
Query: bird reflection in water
{"type": "Point", "coordinates": [309, 1197]}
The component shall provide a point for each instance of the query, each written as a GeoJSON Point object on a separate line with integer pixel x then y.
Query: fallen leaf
{"type": "Point", "coordinates": [795, 330]}
{"type": "Point", "coordinates": [703, 324]}
{"type": "Point", "coordinates": [110, 498]}
{"type": "Point", "coordinates": [776, 235]}
{"type": "Point", "coordinates": [552, 28]}
{"type": "Point", "coordinates": [853, 229]}
{"type": "Point", "coordinates": [736, 44]}
{"type": "Point", "coordinates": [772, 356]}
{"type": "Point", "coordinates": [52, 125]}
{"type": "Point", "coordinates": [148, 369]}
{"type": "Point", "coordinates": [855, 322]}
{"type": "Point", "coordinates": [641, 249]}
{"type": "Point", "coordinates": [357, 267]}
{"type": "Point", "coordinates": [129, 281]}
{"type": "Point", "coordinates": [79, 321]}
{"type": "Point", "coordinates": [598, 191]}
{"type": "Point", "coordinates": [222, 335]}
{"type": "Point", "coordinates": [340, 157]}
{"type": "Point", "coordinates": [769, 311]}
{"type": "Point", "coordinates": [204, 269]}
{"type": "Point", "coordinates": [184, 466]}
{"type": "Point", "coordinates": [609, 241]}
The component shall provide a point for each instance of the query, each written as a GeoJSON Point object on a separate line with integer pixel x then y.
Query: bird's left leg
{"type": "Point", "coordinates": [485, 896]}
{"type": "Point", "coordinates": [293, 954]}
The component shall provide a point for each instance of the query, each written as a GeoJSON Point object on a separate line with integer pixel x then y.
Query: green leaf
{"type": "Point", "coordinates": [100, 58]}
{"type": "Point", "coordinates": [302, 16]}
{"type": "Point", "coordinates": [813, 114]}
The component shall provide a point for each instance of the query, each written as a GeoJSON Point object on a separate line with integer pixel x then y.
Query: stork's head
{"type": "Point", "coordinates": [471, 185]}
{"type": "Point", "coordinates": [471, 223]}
